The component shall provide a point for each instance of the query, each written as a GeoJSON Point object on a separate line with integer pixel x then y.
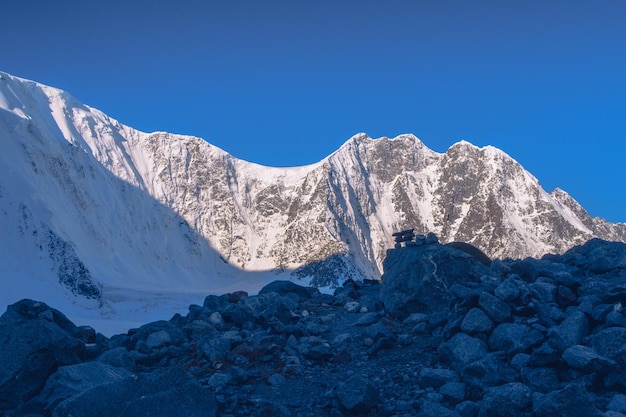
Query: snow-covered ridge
{"type": "Point", "coordinates": [111, 213]}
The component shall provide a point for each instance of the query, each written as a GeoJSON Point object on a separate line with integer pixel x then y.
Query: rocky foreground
{"type": "Point", "coordinates": [445, 334]}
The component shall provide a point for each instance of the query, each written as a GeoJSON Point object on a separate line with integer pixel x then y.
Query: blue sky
{"type": "Point", "coordinates": [285, 83]}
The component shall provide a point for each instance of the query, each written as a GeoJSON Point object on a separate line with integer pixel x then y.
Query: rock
{"type": "Point", "coordinates": [163, 393]}
{"type": "Point", "coordinates": [570, 332]}
{"type": "Point", "coordinates": [467, 409]}
{"type": "Point", "coordinates": [214, 303]}
{"type": "Point", "coordinates": [158, 339]}
{"type": "Point", "coordinates": [617, 404]}
{"type": "Point", "coordinates": [509, 289]}
{"type": "Point", "coordinates": [367, 319]}
{"type": "Point", "coordinates": [520, 360]}
{"type": "Point", "coordinates": [276, 380]}
{"type": "Point", "coordinates": [237, 314]}
{"type": "Point", "coordinates": [600, 311]}
{"type": "Point", "coordinates": [215, 349]}
{"type": "Point", "coordinates": [417, 279]}
{"type": "Point", "coordinates": [462, 349]}
{"type": "Point", "coordinates": [236, 296]}
{"type": "Point", "coordinates": [544, 355]}
{"type": "Point", "coordinates": [495, 308]}
{"type": "Point", "coordinates": [565, 295]}
{"type": "Point", "coordinates": [506, 400]}
{"type": "Point", "coordinates": [611, 343]}
{"type": "Point", "coordinates": [268, 307]}
{"type": "Point", "coordinates": [453, 392]}
{"type": "Point", "coordinates": [571, 401]}
{"type": "Point", "coordinates": [216, 320]}
{"type": "Point", "coordinates": [471, 250]}
{"type": "Point", "coordinates": [34, 342]}
{"type": "Point", "coordinates": [118, 357]}
{"type": "Point", "coordinates": [615, 319]}
{"type": "Point", "coordinates": [167, 333]}
{"type": "Point", "coordinates": [430, 408]}
{"type": "Point", "coordinates": [597, 256]}
{"type": "Point", "coordinates": [542, 380]}
{"type": "Point", "coordinates": [476, 321]}
{"type": "Point", "coordinates": [489, 370]}
{"type": "Point", "coordinates": [357, 395]}
{"type": "Point", "coordinates": [287, 287]}
{"type": "Point", "coordinates": [85, 334]}
{"type": "Point", "coordinates": [219, 379]}
{"type": "Point", "coordinates": [543, 291]}
{"type": "Point", "coordinates": [434, 378]}
{"type": "Point", "coordinates": [586, 359]}
{"type": "Point", "coordinates": [74, 379]}
{"type": "Point", "coordinates": [514, 338]}
{"type": "Point", "coordinates": [431, 239]}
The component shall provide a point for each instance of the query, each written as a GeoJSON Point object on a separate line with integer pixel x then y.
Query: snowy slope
{"type": "Point", "coordinates": [115, 221]}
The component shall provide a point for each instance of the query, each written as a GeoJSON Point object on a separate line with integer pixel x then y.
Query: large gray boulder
{"type": "Point", "coordinates": [418, 278]}
{"type": "Point", "coordinates": [506, 400]}
{"type": "Point", "coordinates": [357, 395]}
{"type": "Point", "coordinates": [571, 401]}
{"type": "Point", "coordinates": [68, 381]}
{"type": "Point", "coordinates": [462, 349]}
{"type": "Point", "coordinates": [34, 341]}
{"type": "Point", "coordinates": [163, 393]}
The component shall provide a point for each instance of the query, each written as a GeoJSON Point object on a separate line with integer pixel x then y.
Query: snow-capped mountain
{"type": "Point", "coordinates": [104, 209]}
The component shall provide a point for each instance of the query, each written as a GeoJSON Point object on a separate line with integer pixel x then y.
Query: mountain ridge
{"type": "Point", "coordinates": [174, 212]}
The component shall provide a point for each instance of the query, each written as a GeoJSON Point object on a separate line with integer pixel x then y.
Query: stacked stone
{"type": "Point", "coordinates": [405, 236]}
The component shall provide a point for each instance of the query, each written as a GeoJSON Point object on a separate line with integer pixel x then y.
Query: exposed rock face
{"type": "Point", "coordinates": [293, 351]}
{"type": "Point", "coordinates": [114, 204]}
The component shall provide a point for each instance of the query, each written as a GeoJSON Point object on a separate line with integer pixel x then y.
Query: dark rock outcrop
{"type": "Point", "coordinates": [419, 278]}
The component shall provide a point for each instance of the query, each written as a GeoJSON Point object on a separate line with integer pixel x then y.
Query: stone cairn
{"type": "Point", "coordinates": [409, 238]}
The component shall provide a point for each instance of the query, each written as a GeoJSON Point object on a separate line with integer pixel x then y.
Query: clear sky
{"type": "Point", "coordinates": [285, 83]}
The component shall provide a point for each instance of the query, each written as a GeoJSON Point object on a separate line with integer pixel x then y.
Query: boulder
{"type": "Point", "coordinates": [571, 401]}
{"type": "Point", "coordinates": [597, 256]}
{"type": "Point", "coordinates": [453, 391]}
{"type": "Point", "coordinates": [611, 343]}
{"type": "Point", "coordinates": [617, 404]}
{"type": "Point", "coordinates": [157, 334]}
{"type": "Point", "coordinates": [489, 370]}
{"type": "Point", "coordinates": [357, 395]}
{"type": "Point", "coordinates": [462, 349]}
{"type": "Point", "coordinates": [506, 400]}
{"type": "Point", "coordinates": [495, 308]}
{"type": "Point", "coordinates": [287, 287]}
{"type": "Point", "coordinates": [541, 380]}
{"type": "Point", "coordinates": [68, 381]}
{"type": "Point", "coordinates": [514, 338]}
{"type": "Point", "coordinates": [476, 321]}
{"type": "Point", "coordinates": [34, 341]}
{"type": "Point", "coordinates": [418, 279]}
{"type": "Point", "coordinates": [570, 332]}
{"type": "Point", "coordinates": [163, 393]}
{"type": "Point", "coordinates": [586, 359]}
{"type": "Point", "coordinates": [434, 378]}
{"type": "Point", "coordinates": [510, 288]}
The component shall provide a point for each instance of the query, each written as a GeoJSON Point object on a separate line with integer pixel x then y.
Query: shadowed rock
{"type": "Point", "coordinates": [418, 279]}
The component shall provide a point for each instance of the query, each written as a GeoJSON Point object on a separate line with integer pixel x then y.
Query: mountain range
{"type": "Point", "coordinates": [103, 217]}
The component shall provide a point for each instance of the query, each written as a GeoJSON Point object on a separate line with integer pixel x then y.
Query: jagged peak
{"type": "Point", "coordinates": [463, 144]}
{"type": "Point", "coordinates": [364, 138]}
